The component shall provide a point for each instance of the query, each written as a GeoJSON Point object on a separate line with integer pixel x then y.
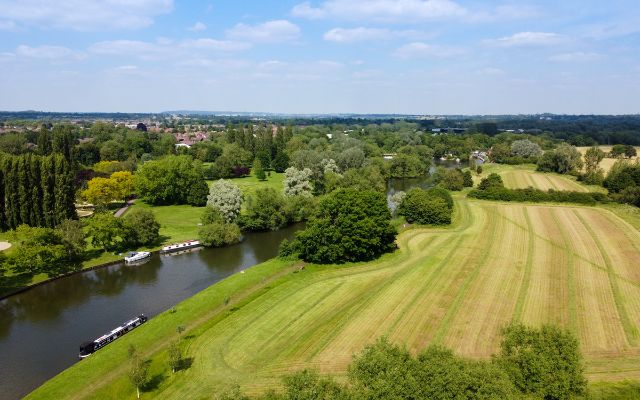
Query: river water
{"type": "Point", "coordinates": [41, 329]}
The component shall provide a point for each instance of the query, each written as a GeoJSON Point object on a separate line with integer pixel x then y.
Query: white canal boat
{"type": "Point", "coordinates": [190, 244]}
{"type": "Point", "coordinates": [137, 256]}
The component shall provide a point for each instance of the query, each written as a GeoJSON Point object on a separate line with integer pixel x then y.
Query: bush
{"type": "Point", "coordinates": [419, 206]}
{"type": "Point", "coordinates": [491, 181]}
{"type": "Point", "coordinates": [172, 180]}
{"type": "Point", "coordinates": [537, 196]}
{"type": "Point", "coordinates": [467, 179]}
{"type": "Point", "coordinates": [219, 234]}
{"type": "Point", "coordinates": [300, 208]}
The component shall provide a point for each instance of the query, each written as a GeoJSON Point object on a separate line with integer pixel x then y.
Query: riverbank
{"type": "Point", "coordinates": [177, 224]}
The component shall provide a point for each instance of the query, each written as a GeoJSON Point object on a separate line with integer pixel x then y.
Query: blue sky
{"type": "Point", "coordinates": [321, 56]}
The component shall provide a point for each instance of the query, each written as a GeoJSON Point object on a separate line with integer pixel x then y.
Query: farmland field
{"type": "Point", "coordinates": [571, 266]}
{"type": "Point", "coordinates": [607, 162]}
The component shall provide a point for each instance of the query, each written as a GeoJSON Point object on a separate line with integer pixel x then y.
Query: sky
{"type": "Point", "coordinates": [321, 56]}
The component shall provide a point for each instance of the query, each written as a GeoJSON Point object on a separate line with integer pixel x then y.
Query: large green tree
{"type": "Point", "coordinates": [172, 180]}
{"type": "Point", "coordinates": [350, 225]}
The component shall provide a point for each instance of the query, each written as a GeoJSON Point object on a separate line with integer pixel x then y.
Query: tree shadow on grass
{"type": "Point", "coordinates": [12, 283]}
{"type": "Point", "coordinates": [154, 383]}
{"type": "Point", "coordinates": [185, 364]}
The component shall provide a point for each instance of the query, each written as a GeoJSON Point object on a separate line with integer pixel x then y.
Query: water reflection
{"type": "Point", "coordinates": [40, 329]}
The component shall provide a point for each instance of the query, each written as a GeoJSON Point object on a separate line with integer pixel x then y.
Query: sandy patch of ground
{"type": "Point", "coordinates": [4, 245]}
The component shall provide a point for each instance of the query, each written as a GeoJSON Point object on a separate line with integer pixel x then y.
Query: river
{"type": "Point", "coordinates": [41, 328]}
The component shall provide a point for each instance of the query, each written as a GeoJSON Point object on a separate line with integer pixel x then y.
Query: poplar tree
{"type": "Point", "coordinates": [36, 192]}
{"type": "Point", "coordinates": [24, 190]}
{"type": "Point", "coordinates": [47, 179]}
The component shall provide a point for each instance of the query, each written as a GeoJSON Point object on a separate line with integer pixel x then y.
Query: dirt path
{"type": "Point", "coordinates": [124, 209]}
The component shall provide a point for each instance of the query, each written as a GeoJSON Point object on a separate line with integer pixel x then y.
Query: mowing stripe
{"type": "Point", "coordinates": [630, 330]}
{"type": "Point", "coordinates": [571, 278]}
{"type": "Point", "coordinates": [526, 279]}
{"type": "Point", "coordinates": [445, 324]}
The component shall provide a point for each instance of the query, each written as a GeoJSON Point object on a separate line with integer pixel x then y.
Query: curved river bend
{"type": "Point", "coordinates": [41, 329]}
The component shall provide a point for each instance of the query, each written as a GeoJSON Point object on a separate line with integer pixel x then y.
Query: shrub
{"type": "Point", "coordinates": [219, 234]}
{"type": "Point", "coordinates": [265, 211]}
{"type": "Point", "coordinates": [419, 206]}
{"type": "Point", "coordinates": [491, 181]}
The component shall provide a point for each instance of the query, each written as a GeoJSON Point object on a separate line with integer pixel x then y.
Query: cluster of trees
{"type": "Point", "coordinates": [36, 190]}
{"type": "Point", "coordinates": [540, 363]}
{"type": "Point", "coordinates": [349, 225]}
{"type": "Point", "coordinates": [520, 151]}
{"type": "Point", "coordinates": [623, 150]}
{"type": "Point", "coordinates": [117, 187]}
{"type": "Point", "coordinates": [47, 250]}
{"type": "Point", "coordinates": [172, 180]}
{"type": "Point", "coordinates": [433, 206]}
{"type": "Point", "coordinates": [453, 179]}
{"type": "Point", "coordinates": [623, 182]}
{"type": "Point", "coordinates": [492, 188]}
{"type": "Point", "coordinates": [565, 159]}
{"type": "Point", "coordinates": [139, 227]}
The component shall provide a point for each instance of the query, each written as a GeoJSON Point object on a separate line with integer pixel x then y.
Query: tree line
{"type": "Point", "coordinates": [36, 190]}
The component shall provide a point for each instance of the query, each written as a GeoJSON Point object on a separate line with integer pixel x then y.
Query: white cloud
{"type": "Point", "coordinates": [128, 48]}
{"type": "Point", "coordinates": [197, 27]}
{"type": "Point", "coordinates": [48, 52]}
{"type": "Point", "coordinates": [528, 39]}
{"type": "Point", "coordinates": [576, 57]}
{"type": "Point", "coordinates": [362, 34]}
{"type": "Point", "coordinates": [84, 15]}
{"type": "Point", "coordinates": [270, 31]}
{"type": "Point", "coordinates": [420, 49]}
{"type": "Point", "coordinates": [381, 10]}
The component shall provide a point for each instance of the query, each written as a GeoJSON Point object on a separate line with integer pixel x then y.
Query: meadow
{"type": "Point", "coordinates": [457, 286]}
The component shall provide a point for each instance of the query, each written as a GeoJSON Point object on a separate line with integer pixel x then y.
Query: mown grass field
{"type": "Point", "coordinates": [458, 286]}
{"type": "Point", "coordinates": [523, 176]}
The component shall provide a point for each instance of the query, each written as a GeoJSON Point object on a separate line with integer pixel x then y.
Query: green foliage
{"type": "Point", "coordinates": [227, 198]}
{"type": "Point", "coordinates": [450, 179]}
{"type": "Point", "coordinates": [538, 196]}
{"type": "Point", "coordinates": [563, 160]}
{"type": "Point", "coordinates": [281, 162]}
{"type": "Point", "coordinates": [407, 166]}
{"type": "Point", "coordinates": [300, 208]}
{"type": "Point", "coordinates": [41, 251]}
{"type": "Point", "coordinates": [309, 385]}
{"type": "Point", "coordinates": [138, 372]}
{"type": "Point", "coordinates": [175, 356]}
{"type": "Point", "coordinates": [366, 178]}
{"type": "Point", "coordinates": [479, 169]}
{"type": "Point", "coordinates": [350, 225]}
{"type": "Point", "coordinates": [258, 171]}
{"type": "Point", "coordinates": [544, 362]}
{"type": "Point", "coordinates": [621, 149]}
{"type": "Point", "coordinates": [491, 181]}
{"type": "Point", "coordinates": [623, 174]}
{"type": "Point", "coordinates": [211, 215]}
{"type": "Point", "coordinates": [172, 180]}
{"type": "Point", "coordinates": [72, 237]}
{"type": "Point", "coordinates": [266, 211]}
{"type": "Point", "coordinates": [143, 227]}
{"type": "Point", "coordinates": [467, 179]}
{"type": "Point", "coordinates": [106, 231]}
{"type": "Point", "coordinates": [426, 208]}
{"type": "Point", "coordinates": [525, 148]}
{"type": "Point", "coordinates": [218, 234]}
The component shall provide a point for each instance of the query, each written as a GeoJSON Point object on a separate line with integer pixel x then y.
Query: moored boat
{"type": "Point", "coordinates": [137, 256]}
{"type": "Point", "coordinates": [190, 244]}
{"type": "Point", "coordinates": [88, 348]}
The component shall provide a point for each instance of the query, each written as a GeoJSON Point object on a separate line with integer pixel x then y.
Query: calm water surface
{"type": "Point", "coordinates": [41, 329]}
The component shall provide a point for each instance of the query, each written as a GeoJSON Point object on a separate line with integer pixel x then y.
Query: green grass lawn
{"type": "Point", "coordinates": [455, 286]}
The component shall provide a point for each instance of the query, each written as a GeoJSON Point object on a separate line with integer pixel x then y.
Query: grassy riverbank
{"type": "Point", "coordinates": [178, 223]}
{"type": "Point", "coordinates": [458, 286]}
